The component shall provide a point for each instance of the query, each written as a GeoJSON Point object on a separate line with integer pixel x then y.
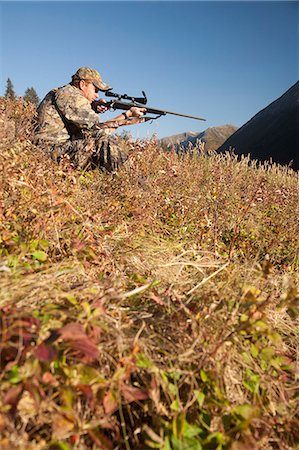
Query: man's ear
{"type": "Point", "coordinates": [81, 84]}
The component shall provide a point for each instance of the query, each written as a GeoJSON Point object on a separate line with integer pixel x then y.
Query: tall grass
{"type": "Point", "coordinates": [152, 308]}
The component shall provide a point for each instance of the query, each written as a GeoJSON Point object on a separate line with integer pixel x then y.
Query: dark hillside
{"type": "Point", "coordinates": [273, 133]}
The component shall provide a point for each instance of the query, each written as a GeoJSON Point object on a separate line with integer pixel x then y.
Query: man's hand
{"type": "Point", "coordinates": [101, 108]}
{"type": "Point", "coordinates": [136, 112]}
{"type": "Point", "coordinates": [133, 116]}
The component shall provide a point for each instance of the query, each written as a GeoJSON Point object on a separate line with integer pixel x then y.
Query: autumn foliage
{"type": "Point", "coordinates": [152, 308]}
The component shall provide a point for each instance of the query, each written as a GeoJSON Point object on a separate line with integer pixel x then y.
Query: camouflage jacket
{"type": "Point", "coordinates": [63, 115]}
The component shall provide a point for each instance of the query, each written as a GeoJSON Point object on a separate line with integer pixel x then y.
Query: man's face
{"type": "Point", "coordinates": [89, 90]}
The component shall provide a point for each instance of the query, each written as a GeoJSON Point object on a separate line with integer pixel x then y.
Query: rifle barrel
{"type": "Point", "coordinates": [163, 112]}
{"type": "Point", "coordinates": [124, 105]}
{"type": "Point", "coordinates": [114, 104]}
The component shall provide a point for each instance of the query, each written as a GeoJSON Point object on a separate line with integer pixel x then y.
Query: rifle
{"type": "Point", "coordinates": [138, 102]}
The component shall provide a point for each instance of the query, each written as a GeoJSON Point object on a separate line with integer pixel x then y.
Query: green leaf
{"type": "Point", "coordinates": [143, 362]}
{"type": "Point", "coordinates": [43, 243]}
{"type": "Point", "coordinates": [205, 418]}
{"type": "Point", "coordinates": [260, 326]}
{"type": "Point", "coordinates": [254, 350]}
{"type": "Point", "coordinates": [72, 299]}
{"type": "Point", "coordinates": [12, 261]}
{"type": "Point", "coordinates": [185, 443]}
{"type": "Point", "coordinates": [189, 431]}
{"type": "Point", "coordinates": [67, 397]}
{"type": "Point", "coordinates": [267, 354]}
{"type": "Point", "coordinates": [87, 374]}
{"type": "Point", "coordinates": [246, 357]}
{"type": "Point", "coordinates": [166, 445]}
{"type": "Point", "coordinates": [191, 444]}
{"type": "Point", "coordinates": [200, 397]}
{"type": "Point", "coordinates": [152, 444]}
{"type": "Point", "coordinates": [218, 437]}
{"type": "Point", "coordinates": [40, 255]}
{"type": "Point", "coordinates": [203, 376]}
{"type": "Point", "coordinates": [244, 318]}
{"type": "Point", "coordinates": [176, 443]}
{"type": "Point", "coordinates": [246, 411]}
{"type": "Point", "coordinates": [175, 375]}
{"type": "Point", "coordinates": [252, 382]}
{"type": "Point", "coordinates": [228, 421]}
{"type": "Point", "coordinates": [275, 338]}
{"type": "Point", "coordinates": [87, 308]}
{"type": "Point", "coordinates": [178, 425]}
{"type": "Point", "coordinates": [175, 405]}
{"type": "Point", "coordinates": [58, 446]}
{"type": "Point", "coordinates": [33, 245]}
{"type": "Point", "coordinates": [13, 375]}
{"type": "Point", "coordinates": [173, 389]}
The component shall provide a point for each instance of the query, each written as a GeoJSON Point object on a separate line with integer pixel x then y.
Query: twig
{"type": "Point", "coordinates": [139, 332]}
{"type": "Point", "coordinates": [207, 278]}
{"type": "Point", "coordinates": [137, 290]}
{"type": "Point", "coordinates": [123, 426]}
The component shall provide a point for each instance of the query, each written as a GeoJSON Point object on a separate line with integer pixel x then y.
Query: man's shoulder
{"type": "Point", "coordinates": [67, 90]}
{"type": "Point", "coordinates": [70, 94]}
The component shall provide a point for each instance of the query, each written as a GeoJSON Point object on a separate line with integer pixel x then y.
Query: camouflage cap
{"type": "Point", "coordinates": [85, 73]}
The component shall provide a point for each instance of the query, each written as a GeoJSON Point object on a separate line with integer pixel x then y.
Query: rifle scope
{"type": "Point", "coordinates": [141, 100]}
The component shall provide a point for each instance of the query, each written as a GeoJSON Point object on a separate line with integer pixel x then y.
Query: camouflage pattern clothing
{"type": "Point", "coordinates": [67, 126]}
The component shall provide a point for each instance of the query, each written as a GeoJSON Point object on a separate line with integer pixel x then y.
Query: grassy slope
{"type": "Point", "coordinates": [172, 288]}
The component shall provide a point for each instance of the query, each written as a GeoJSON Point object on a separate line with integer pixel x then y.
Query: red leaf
{"type": "Point", "coordinates": [71, 331]}
{"type": "Point", "coordinates": [95, 333]}
{"type": "Point", "coordinates": [7, 357]}
{"type": "Point", "coordinates": [12, 397]}
{"type": "Point", "coordinates": [62, 426]}
{"type": "Point", "coordinates": [132, 394]}
{"type": "Point", "coordinates": [74, 334]}
{"type": "Point", "coordinates": [2, 423]}
{"type": "Point", "coordinates": [157, 299]}
{"type": "Point", "coordinates": [74, 438]}
{"type": "Point", "coordinates": [45, 353]}
{"type": "Point", "coordinates": [78, 244]}
{"type": "Point", "coordinates": [110, 402]}
{"type": "Point", "coordinates": [100, 440]}
{"type": "Point", "coordinates": [48, 378]}
{"type": "Point", "coordinates": [87, 391]}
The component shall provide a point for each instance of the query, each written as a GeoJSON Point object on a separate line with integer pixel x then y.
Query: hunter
{"type": "Point", "coordinates": [67, 125]}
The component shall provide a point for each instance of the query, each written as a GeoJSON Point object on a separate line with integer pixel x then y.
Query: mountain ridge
{"type": "Point", "coordinates": [212, 138]}
{"type": "Point", "coordinates": [271, 134]}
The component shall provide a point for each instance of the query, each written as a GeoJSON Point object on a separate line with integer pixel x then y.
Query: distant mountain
{"type": "Point", "coordinates": [273, 133]}
{"type": "Point", "coordinates": [213, 137]}
{"type": "Point", "coordinates": [177, 138]}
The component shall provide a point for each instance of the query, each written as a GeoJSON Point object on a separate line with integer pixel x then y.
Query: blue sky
{"type": "Point", "coordinates": [224, 61]}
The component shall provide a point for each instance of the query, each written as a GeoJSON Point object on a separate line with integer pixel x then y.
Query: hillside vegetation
{"type": "Point", "coordinates": [155, 308]}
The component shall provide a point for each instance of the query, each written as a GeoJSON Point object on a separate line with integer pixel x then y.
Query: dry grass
{"type": "Point", "coordinates": [153, 308]}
